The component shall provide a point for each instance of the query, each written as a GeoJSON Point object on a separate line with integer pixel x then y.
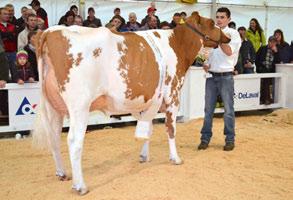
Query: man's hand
{"type": "Point", "coordinates": [206, 67]}
{"type": "Point", "coordinates": [248, 65]}
{"type": "Point", "coordinates": [2, 83]}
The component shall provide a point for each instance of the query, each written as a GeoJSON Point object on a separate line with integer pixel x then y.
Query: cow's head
{"type": "Point", "coordinates": [205, 27]}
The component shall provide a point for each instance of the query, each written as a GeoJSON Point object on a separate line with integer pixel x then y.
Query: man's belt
{"type": "Point", "coordinates": [221, 73]}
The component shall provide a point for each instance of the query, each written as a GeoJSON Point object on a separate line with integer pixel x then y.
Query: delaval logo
{"type": "Point", "coordinates": [26, 108]}
{"type": "Point", "coordinates": [246, 95]}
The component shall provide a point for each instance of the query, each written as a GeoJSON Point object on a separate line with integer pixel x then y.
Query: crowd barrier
{"type": "Point", "coordinates": [23, 99]}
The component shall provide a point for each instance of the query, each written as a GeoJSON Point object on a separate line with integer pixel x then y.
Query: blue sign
{"type": "Point", "coordinates": [26, 108]}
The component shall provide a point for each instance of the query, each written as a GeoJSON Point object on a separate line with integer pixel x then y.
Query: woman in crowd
{"type": "Point", "coordinates": [284, 51]}
{"type": "Point", "coordinates": [255, 34]}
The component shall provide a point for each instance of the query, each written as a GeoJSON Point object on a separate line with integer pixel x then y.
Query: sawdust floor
{"type": "Point", "coordinates": [260, 167]}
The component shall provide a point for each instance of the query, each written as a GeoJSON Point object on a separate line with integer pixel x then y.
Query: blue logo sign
{"type": "Point", "coordinates": [26, 108]}
{"type": "Point", "coordinates": [246, 95]}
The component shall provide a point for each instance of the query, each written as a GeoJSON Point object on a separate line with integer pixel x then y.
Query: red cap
{"type": "Point", "coordinates": [151, 9]}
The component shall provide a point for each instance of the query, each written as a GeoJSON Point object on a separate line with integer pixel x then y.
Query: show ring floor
{"type": "Point", "coordinates": [260, 167]}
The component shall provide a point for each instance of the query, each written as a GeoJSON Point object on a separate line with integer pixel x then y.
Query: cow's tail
{"type": "Point", "coordinates": [45, 126]}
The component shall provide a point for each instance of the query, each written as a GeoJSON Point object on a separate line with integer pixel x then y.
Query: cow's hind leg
{"type": "Point", "coordinates": [171, 114]}
{"type": "Point", "coordinates": [78, 123]}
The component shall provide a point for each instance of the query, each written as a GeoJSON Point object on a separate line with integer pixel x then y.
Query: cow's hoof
{"type": "Point", "coordinates": [143, 159]}
{"type": "Point", "coordinates": [177, 161]}
{"type": "Point", "coordinates": [63, 177]}
{"type": "Point", "coordinates": [81, 191]}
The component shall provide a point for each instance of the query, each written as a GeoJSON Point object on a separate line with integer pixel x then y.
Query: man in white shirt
{"type": "Point", "coordinates": [220, 82]}
{"type": "Point", "coordinates": [31, 25]}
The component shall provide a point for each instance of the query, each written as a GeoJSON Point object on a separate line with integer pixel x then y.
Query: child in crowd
{"type": "Point", "coordinates": [24, 71]}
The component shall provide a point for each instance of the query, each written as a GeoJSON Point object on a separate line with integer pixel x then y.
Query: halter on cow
{"type": "Point", "coordinates": [85, 69]}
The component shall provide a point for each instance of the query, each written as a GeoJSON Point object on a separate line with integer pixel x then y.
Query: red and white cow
{"type": "Point", "coordinates": [85, 69]}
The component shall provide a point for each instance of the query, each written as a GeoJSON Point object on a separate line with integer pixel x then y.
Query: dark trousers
{"type": "Point", "coordinates": [4, 102]}
{"type": "Point", "coordinates": [266, 90]}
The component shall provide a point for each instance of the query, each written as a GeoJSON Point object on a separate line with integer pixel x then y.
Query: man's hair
{"type": "Point", "coordinates": [164, 23]}
{"type": "Point", "coordinates": [73, 7]}
{"type": "Point", "coordinates": [177, 14]}
{"type": "Point", "coordinates": [3, 8]}
{"type": "Point", "coordinates": [24, 7]}
{"type": "Point", "coordinates": [183, 13]}
{"type": "Point", "coordinates": [241, 28]}
{"type": "Point", "coordinates": [31, 15]}
{"type": "Point", "coordinates": [225, 10]}
{"type": "Point", "coordinates": [9, 6]}
{"type": "Point", "coordinates": [91, 9]}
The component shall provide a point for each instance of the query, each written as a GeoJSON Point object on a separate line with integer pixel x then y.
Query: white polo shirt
{"type": "Point", "coordinates": [218, 60]}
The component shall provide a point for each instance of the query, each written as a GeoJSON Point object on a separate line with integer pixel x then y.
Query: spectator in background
{"type": "Point", "coordinates": [20, 22]}
{"type": "Point", "coordinates": [12, 19]}
{"type": "Point", "coordinates": [246, 54]}
{"type": "Point", "coordinates": [284, 51]}
{"type": "Point", "coordinates": [183, 16]}
{"type": "Point", "coordinates": [117, 12]}
{"type": "Point", "coordinates": [132, 24]}
{"type": "Point", "coordinates": [176, 20]}
{"type": "Point", "coordinates": [31, 51]}
{"type": "Point", "coordinates": [150, 12]}
{"type": "Point", "coordinates": [255, 34]}
{"type": "Point", "coordinates": [69, 18]}
{"type": "Point", "coordinates": [91, 19]}
{"type": "Point", "coordinates": [41, 13]}
{"type": "Point", "coordinates": [115, 23]}
{"type": "Point", "coordinates": [31, 25]}
{"type": "Point", "coordinates": [8, 33]}
{"type": "Point", "coordinates": [151, 23]}
{"type": "Point", "coordinates": [24, 71]}
{"type": "Point", "coordinates": [266, 58]}
{"type": "Point", "coordinates": [74, 9]}
{"type": "Point", "coordinates": [165, 25]}
{"type": "Point", "coordinates": [78, 20]}
{"type": "Point", "coordinates": [41, 24]}
{"type": "Point", "coordinates": [232, 25]}
{"type": "Point", "coordinates": [4, 77]}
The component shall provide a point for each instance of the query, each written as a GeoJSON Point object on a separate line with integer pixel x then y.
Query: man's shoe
{"type": "Point", "coordinates": [229, 146]}
{"type": "Point", "coordinates": [203, 146]}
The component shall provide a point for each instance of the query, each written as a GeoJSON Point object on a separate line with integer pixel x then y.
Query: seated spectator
{"type": "Point", "coordinates": [284, 51]}
{"type": "Point", "coordinates": [117, 12]}
{"type": "Point", "coordinates": [232, 25]}
{"type": "Point", "coordinates": [246, 60]}
{"type": "Point", "coordinates": [41, 13]}
{"type": "Point", "coordinates": [74, 9]}
{"type": "Point", "coordinates": [150, 12]}
{"type": "Point", "coordinates": [115, 23]}
{"type": "Point", "coordinates": [8, 33]}
{"type": "Point", "coordinates": [20, 22]}
{"type": "Point", "coordinates": [151, 23]}
{"type": "Point", "coordinates": [31, 25]}
{"type": "Point", "coordinates": [24, 71]}
{"type": "Point", "coordinates": [31, 51]}
{"type": "Point", "coordinates": [91, 19]}
{"type": "Point", "coordinates": [12, 18]}
{"type": "Point", "coordinates": [132, 24]}
{"type": "Point", "coordinates": [69, 18]}
{"type": "Point", "coordinates": [265, 60]}
{"type": "Point", "coordinates": [165, 25]}
{"type": "Point", "coordinates": [176, 20]}
{"type": "Point", "coordinates": [78, 20]}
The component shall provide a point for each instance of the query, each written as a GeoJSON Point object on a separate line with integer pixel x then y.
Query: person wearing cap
{"type": "Point", "coordinates": [41, 13]}
{"type": "Point", "coordinates": [31, 25]}
{"type": "Point", "coordinates": [150, 12]}
{"type": "Point", "coordinates": [266, 58]}
{"type": "Point", "coordinates": [91, 19]}
{"type": "Point", "coordinates": [24, 71]}
{"type": "Point", "coordinates": [246, 54]}
{"type": "Point", "coordinates": [284, 51]}
{"type": "Point", "coordinates": [74, 9]}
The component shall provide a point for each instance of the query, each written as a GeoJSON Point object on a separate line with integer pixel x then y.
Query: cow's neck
{"type": "Point", "coordinates": [188, 45]}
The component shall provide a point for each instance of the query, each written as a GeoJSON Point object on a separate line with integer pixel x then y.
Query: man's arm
{"type": "Point", "coordinates": [226, 49]}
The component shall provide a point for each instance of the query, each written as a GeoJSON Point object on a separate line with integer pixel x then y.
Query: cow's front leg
{"type": "Point", "coordinates": [78, 123]}
{"type": "Point", "coordinates": [171, 114]}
